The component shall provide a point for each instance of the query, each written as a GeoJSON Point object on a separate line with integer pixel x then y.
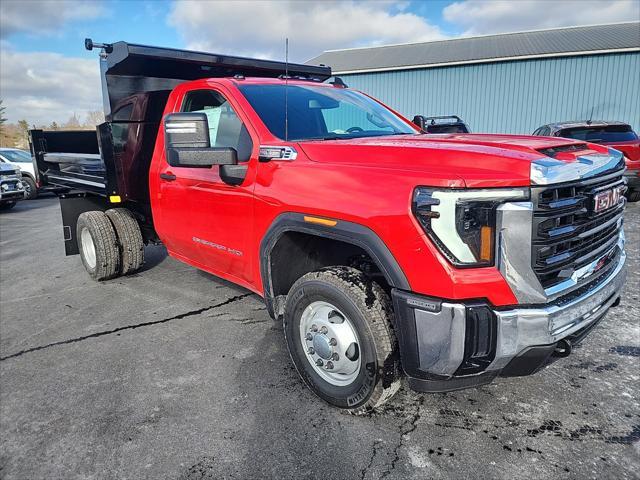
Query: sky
{"type": "Point", "coordinates": [46, 74]}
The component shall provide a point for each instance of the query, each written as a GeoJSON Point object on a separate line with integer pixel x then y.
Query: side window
{"type": "Point", "coordinates": [225, 127]}
{"type": "Point", "coordinates": [537, 132]}
{"type": "Point", "coordinates": [123, 113]}
{"type": "Point", "coordinates": [120, 127]}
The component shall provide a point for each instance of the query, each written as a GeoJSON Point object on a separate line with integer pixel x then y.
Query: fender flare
{"type": "Point", "coordinates": [27, 174]}
{"type": "Point", "coordinates": [345, 231]}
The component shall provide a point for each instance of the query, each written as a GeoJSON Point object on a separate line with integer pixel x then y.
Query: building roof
{"type": "Point", "coordinates": [559, 42]}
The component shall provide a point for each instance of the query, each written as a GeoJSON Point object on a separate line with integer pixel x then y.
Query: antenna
{"type": "Point", "coordinates": [591, 115]}
{"type": "Point", "coordinates": [286, 89]}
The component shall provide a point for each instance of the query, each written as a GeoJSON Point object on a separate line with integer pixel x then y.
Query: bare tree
{"type": "Point", "coordinates": [2, 117]}
{"type": "Point", "coordinates": [94, 117]}
{"type": "Point", "coordinates": [23, 134]}
{"type": "Point", "coordinates": [8, 132]}
{"type": "Point", "coordinates": [73, 122]}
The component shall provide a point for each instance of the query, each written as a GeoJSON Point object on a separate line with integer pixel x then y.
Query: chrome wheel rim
{"type": "Point", "coordinates": [27, 188]}
{"type": "Point", "coordinates": [331, 343]}
{"type": "Point", "coordinates": [88, 248]}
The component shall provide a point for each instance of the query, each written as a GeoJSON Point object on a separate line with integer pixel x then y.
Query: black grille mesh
{"type": "Point", "coordinates": [567, 234]}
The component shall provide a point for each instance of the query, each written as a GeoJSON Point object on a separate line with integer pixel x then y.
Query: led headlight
{"type": "Point", "coordinates": [462, 223]}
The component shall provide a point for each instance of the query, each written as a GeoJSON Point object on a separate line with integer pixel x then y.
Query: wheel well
{"type": "Point", "coordinates": [297, 253]}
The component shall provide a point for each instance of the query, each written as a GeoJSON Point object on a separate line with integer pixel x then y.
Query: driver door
{"type": "Point", "coordinates": [210, 220]}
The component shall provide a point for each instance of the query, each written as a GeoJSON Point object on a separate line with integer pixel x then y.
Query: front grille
{"type": "Point", "coordinates": [567, 234]}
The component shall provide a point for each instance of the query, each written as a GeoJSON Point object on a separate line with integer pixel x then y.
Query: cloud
{"type": "Point", "coordinates": [259, 28]}
{"type": "Point", "coordinates": [44, 17]}
{"type": "Point", "coordinates": [42, 87]}
{"type": "Point", "coordinates": [478, 17]}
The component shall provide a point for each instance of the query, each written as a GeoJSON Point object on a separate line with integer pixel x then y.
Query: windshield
{"type": "Point", "coordinates": [611, 133]}
{"type": "Point", "coordinates": [322, 113]}
{"type": "Point", "coordinates": [16, 156]}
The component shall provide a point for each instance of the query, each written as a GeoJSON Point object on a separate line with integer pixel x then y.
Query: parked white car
{"type": "Point", "coordinates": [22, 160]}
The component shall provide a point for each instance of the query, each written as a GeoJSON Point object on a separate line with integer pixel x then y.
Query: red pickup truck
{"type": "Point", "coordinates": [450, 259]}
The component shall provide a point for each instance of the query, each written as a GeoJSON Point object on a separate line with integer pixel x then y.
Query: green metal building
{"type": "Point", "coordinates": [510, 83]}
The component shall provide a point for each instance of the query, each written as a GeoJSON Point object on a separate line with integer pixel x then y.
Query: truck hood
{"type": "Point", "coordinates": [479, 160]}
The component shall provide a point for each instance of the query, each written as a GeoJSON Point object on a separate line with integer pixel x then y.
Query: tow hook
{"type": "Point", "coordinates": [563, 348]}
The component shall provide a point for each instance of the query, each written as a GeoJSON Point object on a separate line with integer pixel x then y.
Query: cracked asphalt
{"type": "Point", "coordinates": [172, 373]}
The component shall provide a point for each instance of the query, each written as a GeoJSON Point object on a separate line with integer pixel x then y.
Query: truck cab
{"type": "Point", "coordinates": [449, 259]}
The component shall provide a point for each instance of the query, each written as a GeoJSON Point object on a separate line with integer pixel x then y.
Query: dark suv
{"type": "Point", "coordinates": [617, 135]}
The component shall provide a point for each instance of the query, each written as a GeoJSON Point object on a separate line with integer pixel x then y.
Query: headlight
{"type": "Point", "coordinates": [462, 223]}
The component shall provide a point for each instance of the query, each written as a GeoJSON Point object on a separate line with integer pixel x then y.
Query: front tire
{"type": "Point", "coordinates": [633, 196]}
{"type": "Point", "coordinates": [338, 328]}
{"type": "Point", "coordinates": [98, 245]}
{"type": "Point", "coordinates": [31, 191]}
{"type": "Point", "coordinates": [7, 205]}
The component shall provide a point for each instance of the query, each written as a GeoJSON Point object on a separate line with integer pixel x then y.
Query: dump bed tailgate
{"type": "Point", "coordinates": [69, 159]}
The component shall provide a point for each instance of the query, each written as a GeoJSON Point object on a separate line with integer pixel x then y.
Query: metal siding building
{"type": "Point", "coordinates": [535, 78]}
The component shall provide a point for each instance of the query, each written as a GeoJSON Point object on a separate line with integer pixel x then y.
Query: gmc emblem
{"type": "Point", "coordinates": [608, 199]}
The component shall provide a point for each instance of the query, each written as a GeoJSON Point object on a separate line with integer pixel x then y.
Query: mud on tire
{"type": "Point", "coordinates": [130, 243]}
{"type": "Point", "coordinates": [369, 311]}
{"type": "Point", "coordinates": [98, 245]}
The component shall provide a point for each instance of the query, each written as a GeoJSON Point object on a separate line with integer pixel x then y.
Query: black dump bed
{"type": "Point", "coordinates": [114, 159]}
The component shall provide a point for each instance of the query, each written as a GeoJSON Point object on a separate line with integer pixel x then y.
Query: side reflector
{"type": "Point", "coordinates": [486, 234]}
{"type": "Point", "coordinates": [115, 199]}
{"type": "Point", "coordinates": [321, 221]}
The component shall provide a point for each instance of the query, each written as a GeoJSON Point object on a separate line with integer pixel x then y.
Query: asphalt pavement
{"type": "Point", "coordinates": [173, 373]}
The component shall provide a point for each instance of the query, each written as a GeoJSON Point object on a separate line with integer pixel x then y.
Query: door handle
{"type": "Point", "coordinates": [170, 177]}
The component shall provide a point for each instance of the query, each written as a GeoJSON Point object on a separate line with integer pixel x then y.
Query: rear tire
{"type": "Point", "coordinates": [342, 303]}
{"type": "Point", "coordinates": [130, 243]}
{"type": "Point", "coordinates": [98, 245]}
{"type": "Point", "coordinates": [31, 191]}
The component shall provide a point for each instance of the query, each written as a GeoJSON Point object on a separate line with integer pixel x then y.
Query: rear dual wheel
{"type": "Point", "coordinates": [98, 245]}
{"type": "Point", "coordinates": [110, 243]}
{"type": "Point", "coordinates": [130, 243]}
{"type": "Point", "coordinates": [338, 329]}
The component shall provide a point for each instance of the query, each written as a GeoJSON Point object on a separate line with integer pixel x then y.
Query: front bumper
{"type": "Point", "coordinates": [448, 346]}
{"type": "Point", "coordinates": [11, 195]}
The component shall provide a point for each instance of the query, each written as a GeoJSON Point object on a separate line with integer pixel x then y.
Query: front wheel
{"type": "Point", "coordinates": [30, 189]}
{"type": "Point", "coordinates": [338, 329]}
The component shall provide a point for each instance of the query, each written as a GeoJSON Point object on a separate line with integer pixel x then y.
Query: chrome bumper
{"type": "Point", "coordinates": [440, 327]}
{"type": "Point", "coordinates": [522, 328]}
